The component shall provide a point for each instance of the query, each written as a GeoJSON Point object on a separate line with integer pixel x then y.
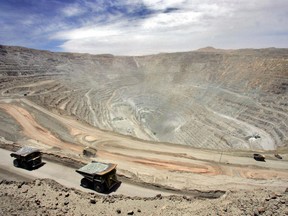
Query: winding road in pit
{"type": "Point", "coordinates": [151, 160]}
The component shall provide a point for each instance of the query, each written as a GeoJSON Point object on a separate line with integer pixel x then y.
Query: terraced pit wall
{"type": "Point", "coordinates": [212, 99]}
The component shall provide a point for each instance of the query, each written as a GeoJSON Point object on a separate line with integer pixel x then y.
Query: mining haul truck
{"type": "Point", "coordinates": [259, 157]}
{"type": "Point", "coordinates": [98, 176]}
{"type": "Point", "coordinates": [27, 158]}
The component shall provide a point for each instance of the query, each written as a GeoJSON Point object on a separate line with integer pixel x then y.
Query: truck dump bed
{"type": "Point", "coordinates": [24, 151]}
{"type": "Point", "coordinates": [96, 168]}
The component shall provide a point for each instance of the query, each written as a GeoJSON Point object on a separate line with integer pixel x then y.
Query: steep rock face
{"type": "Point", "coordinates": [208, 98]}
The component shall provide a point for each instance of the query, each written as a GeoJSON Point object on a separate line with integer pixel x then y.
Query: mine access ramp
{"type": "Point", "coordinates": [27, 158]}
{"type": "Point", "coordinates": [99, 176]}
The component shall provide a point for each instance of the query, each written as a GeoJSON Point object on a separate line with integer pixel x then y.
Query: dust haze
{"type": "Point", "coordinates": [181, 122]}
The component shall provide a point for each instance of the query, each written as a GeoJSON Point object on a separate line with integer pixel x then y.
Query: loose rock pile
{"type": "Point", "coordinates": [47, 197]}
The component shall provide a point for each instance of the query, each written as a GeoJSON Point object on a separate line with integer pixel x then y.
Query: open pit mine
{"type": "Point", "coordinates": [205, 124]}
{"type": "Point", "coordinates": [210, 98]}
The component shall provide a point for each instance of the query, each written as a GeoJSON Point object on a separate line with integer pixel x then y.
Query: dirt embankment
{"type": "Point", "coordinates": [47, 197]}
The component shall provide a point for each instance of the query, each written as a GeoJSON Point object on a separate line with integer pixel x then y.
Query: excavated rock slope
{"type": "Point", "coordinates": [47, 197]}
{"type": "Point", "coordinates": [208, 98]}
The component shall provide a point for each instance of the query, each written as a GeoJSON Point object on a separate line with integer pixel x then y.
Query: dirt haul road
{"type": "Point", "coordinates": [168, 165]}
{"type": "Point", "coordinates": [64, 175]}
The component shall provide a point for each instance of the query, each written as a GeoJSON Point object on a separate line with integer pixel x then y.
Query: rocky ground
{"type": "Point", "coordinates": [47, 197]}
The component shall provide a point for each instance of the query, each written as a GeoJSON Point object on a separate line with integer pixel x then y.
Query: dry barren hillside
{"type": "Point", "coordinates": [208, 98]}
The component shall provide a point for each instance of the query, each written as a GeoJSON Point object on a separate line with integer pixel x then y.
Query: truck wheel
{"type": "Point", "coordinates": [85, 183]}
{"type": "Point", "coordinates": [16, 163]}
{"type": "Point", "coordinates": [99, 187]}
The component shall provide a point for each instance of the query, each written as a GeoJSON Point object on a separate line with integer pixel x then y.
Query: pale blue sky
{"type": "Point", "coordinates": [138, 27]}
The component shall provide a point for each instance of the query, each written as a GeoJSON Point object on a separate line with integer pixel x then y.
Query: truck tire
{"type": "Point", "coordinates": [16, 163]}
{"type": "Point", "coordinates": [85, 183]}
{"type": "Point", "coordinates": [99, 187]}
